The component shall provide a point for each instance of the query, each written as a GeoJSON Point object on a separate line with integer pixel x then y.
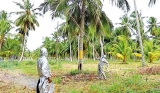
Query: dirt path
{"type": "Point", "coordinates": [15, 81]}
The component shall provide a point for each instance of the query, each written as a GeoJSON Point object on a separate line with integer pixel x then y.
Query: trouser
{"type": "Point", "coordinates": [37, 89]}
{"type": "Point", "coordinates": [101, 73]}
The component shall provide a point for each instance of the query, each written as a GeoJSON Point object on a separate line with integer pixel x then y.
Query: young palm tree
{"type": "Point", "coordinates": [152, 50]}
{"type": "Point", "coordinates": [122, 48]}
{"type": "Point", "coordinates": [26, 21]}
{"type": "Point", "coordinates": [11, 46]}
{"type": "Point", "coordinates": [5, 27]}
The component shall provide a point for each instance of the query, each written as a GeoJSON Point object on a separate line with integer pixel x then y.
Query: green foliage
{"type": "Point", "coordinates": [30, 62]}
{"type": "Point", "coordinates": [9, 65]}
{"type": "Point", "coordinates": [58, 80]}
{"type": "Point", "coordinates": [74, 72]}
{"type": "Point", "coordinates": [151, 50]}
{"type": "Point", "coordinates": [131, 84]}
{"type": "Point", "coordinates": [97, 88]}
{"type": "Point", "coordinates": [5, 65]}
{"type": "Point", "coordinates": [75, 91]}
{"type": "Point", "coordinates": [126, 80]}
{"type": "Point", "coordinates": [123, 48]}
{"type": "Point", "coordinates": [52, 62]}
{"type": "Point", "coordinates": [153, 91]}
{"type": "Point", "coordinates": [55, 65]}
{"type": "Point", "coordinates": [11, 47]}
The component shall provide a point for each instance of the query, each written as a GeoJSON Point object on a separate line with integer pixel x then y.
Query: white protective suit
{"type": "Point", "coordinates": [101, 64]}
{"type": "Point", "coordinates": [44, 71]}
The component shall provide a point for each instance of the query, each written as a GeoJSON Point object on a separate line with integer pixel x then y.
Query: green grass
{"type": "Point", "coordinates": [121, 78]}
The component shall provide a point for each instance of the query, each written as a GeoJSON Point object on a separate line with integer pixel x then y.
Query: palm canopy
{"type": "Point", "coordinates": [122, 4]}
{"type": "Point", "coordinates": [60, 8]}
{"type": "Point", "coordinates": [5, 27]}
{"type": "Point", "coordinates": [27, 17]}
{"type": "Point", "coordinates": [26, 21]}
{"type": "Point", "coordinates": [5, 24]}
{"type": "Point", "coordinates": [153, 26]}
{"type": "Point", "coordinates": [125, 26]}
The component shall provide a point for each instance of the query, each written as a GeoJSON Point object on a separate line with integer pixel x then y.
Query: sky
{"type": "Point", "coordinates": [48, 26]}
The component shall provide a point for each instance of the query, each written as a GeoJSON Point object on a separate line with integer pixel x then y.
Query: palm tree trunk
{"type": "Point", "coordinates": [100, 40]}
{"type": "Point", "coordinates": [1, 42]}
{"type": "Point", "coordinates": [70, 52]}
{"type": "Point", "coordinates": [93, 52]}
{"type": "Point", "coordinates": [139, 34]}
{"type": "Point", "coordinates": [1, 45]}
{"type": "Point", "coordinates": [125, 59]}
{"type": "Point", "coordinates": [57, 45]}
{"type": "Point", "coordinates": [80, 65]}
{"type": "Point", "coordinates": [78, 46]}
{"type": "Point", "coordinates": [23, 47]}
{"type": "Point", "coordinates": [57, 51]}
{"type": "Point", "coordinates": [150, 60]}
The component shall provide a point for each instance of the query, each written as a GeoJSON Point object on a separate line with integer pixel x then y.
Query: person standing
{"type": "Point", "coordinates": [45, 84]}
{"type": "Point", "coordinates": [101, 64]}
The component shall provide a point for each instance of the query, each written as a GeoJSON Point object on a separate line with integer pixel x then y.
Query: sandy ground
{"type": "Point", "coordinates": [15, 81]}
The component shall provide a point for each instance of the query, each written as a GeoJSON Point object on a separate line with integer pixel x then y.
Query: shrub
{"type": "Point", "coordinates": [74, 72]}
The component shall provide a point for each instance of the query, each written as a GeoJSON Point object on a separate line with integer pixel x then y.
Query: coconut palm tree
{"type": "Point", "coordinates": [77, 10]}
{"type": "Point", "coordinates": [5, 27]}
{"type": "Point", "coordinates": [69, 32]}
{"type": "Point", "coordinates": [26, 21]}
{"type": "Point", "coordinates": [126, 26]}
{"type": "Point", "coordinates": [11, 46]}
{"type": "Point", "coordinates": [139, 34]}
{"type": "Point", "coordinates": [122, 48]}
{"type": "Point", "coordinates": [152, 50]}
{"type": "Point", "coordinates": [153, 26]}
{"type": "Point", "coordinates": [49, 43]}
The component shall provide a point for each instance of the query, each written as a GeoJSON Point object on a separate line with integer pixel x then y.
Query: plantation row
{"type": "Point", "coordinates": [80, 36]}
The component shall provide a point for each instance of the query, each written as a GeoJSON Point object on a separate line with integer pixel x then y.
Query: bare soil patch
{"type": "Point", "coordinates": [16, 83]}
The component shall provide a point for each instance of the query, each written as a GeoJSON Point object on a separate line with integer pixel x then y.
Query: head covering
{"type": "Point", "coordinates": [104, 56]}
{"type": "Point", "coordinates": [44, 52]}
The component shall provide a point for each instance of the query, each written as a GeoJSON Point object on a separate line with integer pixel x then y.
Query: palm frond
{"type": "Point", "coordinates": [20, 5]}
{"type": "Point", "coordinates": [122, 4]}
{"type": "Point", "coordinates": [151, 2]}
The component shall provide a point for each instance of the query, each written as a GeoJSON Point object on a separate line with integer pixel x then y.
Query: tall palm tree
{"type": "Point", "coordinates": [153, 26]}
{"type": "Point", "coordinates": [139, 34]}
{"type": "Point", "coordinates": [26, 21]}
{"type": "Point", "coordinates": [126, 26]}
{"type": "Point", "coordinates": [77, 10]}
{"type": "Point", "coordinates": [5, 26]}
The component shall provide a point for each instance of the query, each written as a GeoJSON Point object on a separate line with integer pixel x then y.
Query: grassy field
{"type": "Point", "coordinates": [121, 78]}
